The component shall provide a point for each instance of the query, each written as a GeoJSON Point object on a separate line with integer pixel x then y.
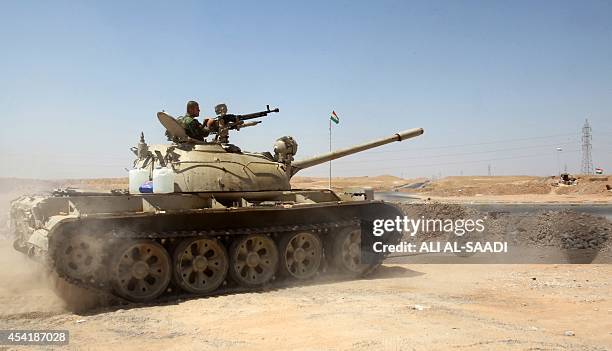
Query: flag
{"type": "Point", "coordinates": [334, 117]}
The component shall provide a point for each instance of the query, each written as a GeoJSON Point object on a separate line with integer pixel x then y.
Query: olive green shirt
{"type": "Point", "coordinates": [193, 128]}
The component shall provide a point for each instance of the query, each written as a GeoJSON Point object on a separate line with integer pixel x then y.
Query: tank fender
{"type": "Point", "coordinates": [356, 194]}
{"type": "Point", "coordinates": [39, 239]}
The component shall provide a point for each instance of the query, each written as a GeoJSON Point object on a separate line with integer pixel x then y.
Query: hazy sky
{"type": "Point", "coordinates": [492, 82]}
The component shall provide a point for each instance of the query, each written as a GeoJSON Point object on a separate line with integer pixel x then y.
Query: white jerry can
{"type": "Point", "coordinates": [137, 177]}
{"type": "Point", "coordinates": [163, 181]}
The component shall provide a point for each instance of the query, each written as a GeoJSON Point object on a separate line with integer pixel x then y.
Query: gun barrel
{"type": "Point", "coordinates": [244, 125]}
{"type": "Point", "coordinates": [256, 114]}
{"type": "Point", "coordinates": [407, 134]}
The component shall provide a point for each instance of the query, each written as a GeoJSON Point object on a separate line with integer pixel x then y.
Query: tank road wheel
{"type": "Point", "coordinates": [80, 257]}
{"type": "Point", "coordinates": [141, 270]}
{"type": "Point", "coordinates": [253, 260]}
{"type": "Point", "coordinates": [347, 251]}
{"type": "Point", "coordinates": [200, 265]}
{"type": "Point", "coordinates": [301, 255]}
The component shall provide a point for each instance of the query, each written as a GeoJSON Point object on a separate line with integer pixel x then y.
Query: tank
{"type": "Point", "coordinates": [225, 220]}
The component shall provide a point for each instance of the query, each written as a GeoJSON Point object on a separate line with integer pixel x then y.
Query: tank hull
{"type": "Point", "coordinates": [79, 236]}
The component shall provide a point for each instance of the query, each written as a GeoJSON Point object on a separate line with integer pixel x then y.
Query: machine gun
{"type": "Point", "coordinates": [221, 111]}
{"type": "Point", "coordinates": [226, 122]}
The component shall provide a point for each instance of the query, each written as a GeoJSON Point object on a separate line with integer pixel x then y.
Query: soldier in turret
{"type": "Point", "coordinates": [193, 127]}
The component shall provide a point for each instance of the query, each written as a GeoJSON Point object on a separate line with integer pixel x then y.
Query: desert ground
{"type": "Point", "coordinates": [401, 307]}
{"type": "Point", "coordinates": [405, 305]}
{"type": "Point", "coordinates": [461, 189]}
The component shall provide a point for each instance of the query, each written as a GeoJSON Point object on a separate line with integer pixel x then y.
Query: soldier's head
{"type": "Point", "coordinates": [193, 109]}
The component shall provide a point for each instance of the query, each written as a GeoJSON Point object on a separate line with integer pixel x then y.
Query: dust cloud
{"type": "Point", "coordinates": [27, 287]}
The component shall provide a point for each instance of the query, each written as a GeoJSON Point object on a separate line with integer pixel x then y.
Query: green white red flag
{"type": "Point", "coordinates": [334, 117]}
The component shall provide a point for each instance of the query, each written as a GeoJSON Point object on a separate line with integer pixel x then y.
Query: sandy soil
{"type": "Point", "coordinates": [378, 183]}
{"type": "Point", "coordinates": [526, 189]}
{"type": "Point", "coordinates": [402, 307]}
{"type": "Point", "coordinates": [525, 198]}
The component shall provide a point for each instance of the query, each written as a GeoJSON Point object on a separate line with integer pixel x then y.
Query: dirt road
{"type": "Point", "coordinates": [403, 307]}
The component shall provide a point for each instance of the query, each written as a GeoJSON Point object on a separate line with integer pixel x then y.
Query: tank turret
{"type": "Point", "coordinates": [218, 166]}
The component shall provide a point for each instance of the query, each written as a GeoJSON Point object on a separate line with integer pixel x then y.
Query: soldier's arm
{"type": "Point", "coordinates": [209, 122]}
{"type": "Point", "coordinates": [210, 125]}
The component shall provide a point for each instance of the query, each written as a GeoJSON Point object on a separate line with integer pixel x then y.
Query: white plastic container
{"type": "Point", "coordinates": [163, 181]}
{"type": "Point", "coordinates": [137, 178]}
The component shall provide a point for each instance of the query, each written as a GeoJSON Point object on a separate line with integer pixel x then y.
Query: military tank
{"type": "Point", "coordinates": [232, 221]}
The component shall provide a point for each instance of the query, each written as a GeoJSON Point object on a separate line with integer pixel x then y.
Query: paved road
{"type": "Point", "coordinates": [604, 210]}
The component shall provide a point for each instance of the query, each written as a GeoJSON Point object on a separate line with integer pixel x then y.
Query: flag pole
{"type": "Point", "coordinates": [330, 149]}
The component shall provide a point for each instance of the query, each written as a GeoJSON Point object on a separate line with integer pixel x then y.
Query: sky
{"type": "Point", "coordinates": [495, 84]}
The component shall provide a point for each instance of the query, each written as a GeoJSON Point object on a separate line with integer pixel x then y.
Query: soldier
{"type": "Point", "coordinates": [193, 128]}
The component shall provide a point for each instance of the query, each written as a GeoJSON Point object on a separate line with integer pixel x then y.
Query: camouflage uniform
{"type": "Point", "coordinates": [193, 128]}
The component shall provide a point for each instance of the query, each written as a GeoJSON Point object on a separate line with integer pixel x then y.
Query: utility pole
{"type": "Point", "coordinates": [559, 160]}
{"type": "Point", "coordinates": [587, 161]}
{"type": "Point", "coordinates": [330, 149]}
{"type": "Point", "coordinates": [489, 169]}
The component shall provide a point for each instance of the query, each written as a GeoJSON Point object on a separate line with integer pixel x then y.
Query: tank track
{"type": "Point", "coordinates": [103, 288]}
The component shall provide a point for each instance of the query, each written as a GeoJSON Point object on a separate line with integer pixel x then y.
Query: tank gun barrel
{"type": "Point", "coordinates": [313, 161]}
